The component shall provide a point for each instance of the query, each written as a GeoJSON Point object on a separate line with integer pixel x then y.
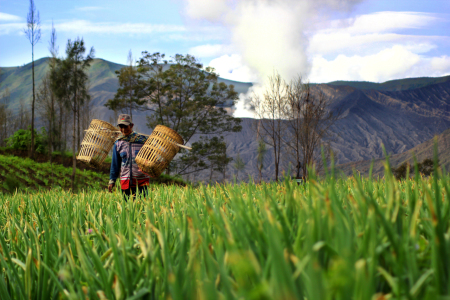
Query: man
{"type": "Point", "coordinates": [125, 149]}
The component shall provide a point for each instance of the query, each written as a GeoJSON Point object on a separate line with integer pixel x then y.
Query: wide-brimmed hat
{"type": "Point", "coordinates": [124, 119]}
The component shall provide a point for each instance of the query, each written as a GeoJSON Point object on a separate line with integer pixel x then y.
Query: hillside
{"type": "Point", "coordinates": [26, 174]}
{"type": "Point", "coordinates": [392, 85]}
{"type": "Point", "coordinates": [399, 114]}
{"type": "Point", "coordinates": [420, 152]}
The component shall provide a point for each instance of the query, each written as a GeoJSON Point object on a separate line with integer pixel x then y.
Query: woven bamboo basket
{"type": "Point", "coordinates": [158, 151]}
{"type": "Point", "coordinates": [97, 142]}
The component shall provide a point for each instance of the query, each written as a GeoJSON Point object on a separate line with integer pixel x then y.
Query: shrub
{"type": "Point", "coordinates": [21, 140]}
{"type": "Point", "coordinates": [426, 168]}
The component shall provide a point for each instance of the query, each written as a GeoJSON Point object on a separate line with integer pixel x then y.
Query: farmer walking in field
{"type": "Point", "coordinates": [123, 163]}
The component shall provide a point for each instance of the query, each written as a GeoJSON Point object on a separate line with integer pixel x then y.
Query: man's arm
{"type": "Point", "coordinates": [115, 168]}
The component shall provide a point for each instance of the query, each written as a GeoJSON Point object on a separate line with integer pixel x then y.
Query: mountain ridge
{"type": "Point", "coordinates": [402, 115]}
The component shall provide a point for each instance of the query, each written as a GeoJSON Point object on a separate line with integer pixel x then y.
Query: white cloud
{"type": "Point", "coordinates": [374, 32]}
{"type": "Point", "coordinates": [210, 10]}
{"type": "Point", "coordinates": [232, 67]}
{"type": "Point", "coordinates": [386, 21]}
{"type": "Point", "coordinates": [4, 17]}
{"type": "Point", "coordinates": [208, 50]}
{"type": "Point", "coordinates": [10, 28]}
{"type": "Point", "coordinates": [441, 64]}
{"type": "Point", "coordinates": [392, 63]}
{"type": "Point", "coordinates": [83, 26]}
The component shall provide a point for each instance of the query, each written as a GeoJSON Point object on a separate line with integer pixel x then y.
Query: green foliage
{"type": "Point", "coordinates": [239, 164]}
{"type": "Point", "coordinates": [21, 140]}
{"type": "Point", "coordinates": [426, 168]}
{"type": "Point", "coordinates": [330, 239]}
{"type": "Point", "coordinates": [126, 98]}
{"type": "Point", "coordinates": [30, 175]}
{"type": "Point", "coordinates": [11, 183]}
{"type": "Point", "coordinates": [186, 98]}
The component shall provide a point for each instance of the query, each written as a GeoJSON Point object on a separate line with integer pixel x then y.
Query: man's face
{"type": "Point", "coordinates": [126, 130]}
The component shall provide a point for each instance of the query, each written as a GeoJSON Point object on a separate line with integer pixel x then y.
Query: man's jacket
{"type": "Point", "coordinates": [124, 164]}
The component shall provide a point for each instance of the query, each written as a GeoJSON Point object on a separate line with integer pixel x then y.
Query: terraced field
{"type": "Point", "coordinates": [26, 174]}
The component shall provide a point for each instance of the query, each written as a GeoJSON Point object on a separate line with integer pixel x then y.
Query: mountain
{"type": "Point", "coordinates": [420, 152]}
{"type": "Point", "coordinates": [398, 114]}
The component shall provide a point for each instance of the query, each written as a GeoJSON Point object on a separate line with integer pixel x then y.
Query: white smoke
{"type": "Point", "coordinates": [268, 35]}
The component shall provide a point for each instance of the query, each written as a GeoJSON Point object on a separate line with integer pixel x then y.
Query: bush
{"type": "Point", "coordinates": [426, 168]}
{"type": "Point", "coordinates": [11, 183]}
{"type": "Point", "coordinates": [21, 140]}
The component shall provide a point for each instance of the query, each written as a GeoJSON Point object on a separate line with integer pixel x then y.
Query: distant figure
{"type": "Point", "coordinates": [123, 163]}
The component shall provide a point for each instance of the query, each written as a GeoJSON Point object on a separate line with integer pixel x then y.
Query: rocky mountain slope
{"type": "Point", "coordinates": [420, 152]}
{"type": "Point", "coordinates": [399, 114]}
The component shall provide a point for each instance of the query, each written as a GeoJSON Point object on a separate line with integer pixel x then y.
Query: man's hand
{"type": "Point", "coordinates": [110, 187]}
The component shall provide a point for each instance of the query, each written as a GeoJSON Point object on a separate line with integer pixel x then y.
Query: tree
{"type": "Point", "coordinates": [33, 33]}
{"type": "Point", "coordinates": [5, 113]}
{"type": "Point", "coordinates": [269, 109]}
{"type": "Point", "coordinates": [219, 160]}
{"type": "Point", "coordinates": [239, 164]}
{"type": "Point", "coordinates": [261, 152]}
{"type": "Point", "coordinates": [46, 100]}
{"type": "Point", "coordinates": [426, 168]}
{"type": "Point", "coordinates": [189, 99]}
{"type": "Point", "coordinates": [69, 82]}
{"type": "Point", "coordinates": [126, 98]}
{"type": "Point", "coordinates": [308, 119]}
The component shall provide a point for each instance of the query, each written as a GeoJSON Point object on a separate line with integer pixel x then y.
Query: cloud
{"type": "Point", "coordinates": [210, 50]}
{"type": "Point", "coordinates": [374, 32]}
{"type": "Point", "coordinates": [207, 9]}
{"type": "Point", "coordinates": [441, 64]}
{"type": "Point", "coordinates": [392, 63]}
{"type": "Point", "coordinates": [385, 21]}
{"type": "Point", "coordinates": [266, 34]}
{"type": "Point", "coordinates": [232, 67]}
{"type": "Point", "coordinates": [83, 26]}
{"type": "Point", "coordinates": [4, 17]}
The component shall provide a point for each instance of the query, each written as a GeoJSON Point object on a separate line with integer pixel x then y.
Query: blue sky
{"type": "Point", "coordinates": [322, 40]}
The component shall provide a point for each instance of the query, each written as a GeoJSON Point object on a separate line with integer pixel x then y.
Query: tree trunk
{"type": "Point", "coordinates": [74, 161]}
{"type": "Point", "coordinates": [31, 154]}
{"type": "Point", "coordinates": [79, 127]}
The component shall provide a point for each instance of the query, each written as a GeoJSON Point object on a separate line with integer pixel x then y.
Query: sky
{"type": "Point", "coordinates": [248, 40]}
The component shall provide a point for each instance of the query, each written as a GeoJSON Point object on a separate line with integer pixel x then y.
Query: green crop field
{"type": "Point", "coordinates": [346, 239]}
{"type": "Point", "coordinates": [26, 174]}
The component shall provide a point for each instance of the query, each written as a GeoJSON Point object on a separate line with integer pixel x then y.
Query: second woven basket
{"type": "Point", "coordinates": [158, 151]}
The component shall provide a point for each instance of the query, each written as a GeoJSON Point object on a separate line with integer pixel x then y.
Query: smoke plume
{"type": "Point", "coordinates": [269, 35]}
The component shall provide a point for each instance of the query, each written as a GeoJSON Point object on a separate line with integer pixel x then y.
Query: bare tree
{"type": "Point", "coordinates": [269, 109]}
{"type": "Point", "coordinates": [69, 83]}
{"type": "Point", "coordinates": [33, 33]}
{"type": "Point", "coordinates": [5, 118]}
{"type": "Point", "coordinates": [308, 119]}
{"type": "Point", "coordinates": [23, 119]}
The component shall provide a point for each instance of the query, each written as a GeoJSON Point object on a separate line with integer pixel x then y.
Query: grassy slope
{"type": "Point", "coordinates": [101, 73]}
{"type": "Point", "coordinates": [25, 173]}
{"type": "Point", "coordinates": [393, 85]}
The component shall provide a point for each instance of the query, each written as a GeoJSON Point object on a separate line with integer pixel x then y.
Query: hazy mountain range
{"type": "Point", "coordinates": [398, 114]}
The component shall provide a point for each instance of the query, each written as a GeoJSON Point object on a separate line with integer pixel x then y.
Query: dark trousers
{"type": "Point", "coordinates": [141, 190]}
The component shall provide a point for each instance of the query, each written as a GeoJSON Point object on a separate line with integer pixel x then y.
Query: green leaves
{"type": "Point", "coordinates": [353, 239]}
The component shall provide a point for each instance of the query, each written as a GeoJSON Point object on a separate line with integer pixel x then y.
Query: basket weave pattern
{"type": "Point", "coordinates": [158, 151]}
{"type": "Point", "coordinates": [97, 142]}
